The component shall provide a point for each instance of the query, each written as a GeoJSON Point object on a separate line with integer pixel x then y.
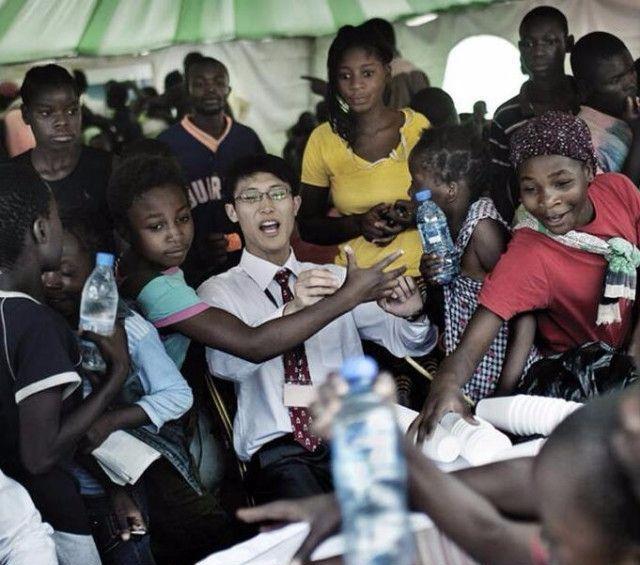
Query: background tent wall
{"type": "Point", "coordinates": [266, 73]}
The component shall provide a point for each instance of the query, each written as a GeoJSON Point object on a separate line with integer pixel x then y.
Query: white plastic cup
{"type": "Point", "coordinates": [479, 444]}
{"type": "Point", "coordinates": [441, 446]}
{"type": "Point", "coordinates": [496, 411]}
{"type": "Point", "coordinates": [538, 414]}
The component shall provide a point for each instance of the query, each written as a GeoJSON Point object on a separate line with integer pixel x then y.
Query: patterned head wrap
{"type": "Point", "coordinates": [553, 133]}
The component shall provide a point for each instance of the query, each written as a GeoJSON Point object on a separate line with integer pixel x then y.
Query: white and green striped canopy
{"type": "Point", "coordinates": [42, 29]}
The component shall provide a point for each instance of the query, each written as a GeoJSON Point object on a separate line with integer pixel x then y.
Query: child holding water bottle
{"type": "Point", "coordinates": [451, 163]}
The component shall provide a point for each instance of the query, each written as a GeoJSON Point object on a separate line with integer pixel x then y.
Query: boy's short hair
{"type": "Point", "coordinates": [253, 164]}
{"type": "Point", "coordinates": [596, 46]}
{"type": "Point", "coordinates": [545, 12]}
{"type": "Point", "coordinates": [46, 77]}
{"type": "Point", "coordinates": [136, 175]}
{"type": "Point", "coordinates": [23, 199]}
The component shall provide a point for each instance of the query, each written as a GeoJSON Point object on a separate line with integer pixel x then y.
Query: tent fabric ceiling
{"type": "Point", "coordinates": [33, 30]}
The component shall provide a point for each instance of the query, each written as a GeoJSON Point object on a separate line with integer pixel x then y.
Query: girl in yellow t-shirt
{"type": "Point", "coordinates": [359, 158]}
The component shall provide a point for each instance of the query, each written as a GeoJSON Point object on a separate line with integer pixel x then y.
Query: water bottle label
{"type": "Point", "coordinates": [102, 327]}
{"type": "Point", "coordinates": [434, 239]}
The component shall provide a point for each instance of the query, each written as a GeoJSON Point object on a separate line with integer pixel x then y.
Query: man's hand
{"type": "Point", "coordinates": [373, 283]}
{"type": "Point", "coordinates": [406, 300]}
{"type": "Point", "coordinates": [322, 512]}
{"type": "Point", "coordinates": [374, 225]}
{"type": "Point", "coordinates": [311, 287]}
{"type": "Point", "coordinates": [99, 431]}
{"type": "Point", "coordinates": [129, 519]}
{"type": "Point", "coordinates": [329, 400]}
{"type": "Point", "coordinates": [403, 213]}
{"type": "Point", "coordinates": [443, 397]}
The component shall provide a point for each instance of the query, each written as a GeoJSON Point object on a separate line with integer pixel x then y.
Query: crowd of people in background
{"type": "Point", "coordinates": [246, 278]}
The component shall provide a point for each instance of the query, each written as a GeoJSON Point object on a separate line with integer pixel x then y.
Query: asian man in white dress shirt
{"type": "Point", "coordinates": [271, 427]}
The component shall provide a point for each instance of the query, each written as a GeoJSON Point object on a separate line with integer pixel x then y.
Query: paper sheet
{"type": "Point", "coordinates": [124, 458]}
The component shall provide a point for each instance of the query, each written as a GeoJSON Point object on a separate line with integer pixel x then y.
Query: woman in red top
{"type": "Point", "coordinates": [558, 264]}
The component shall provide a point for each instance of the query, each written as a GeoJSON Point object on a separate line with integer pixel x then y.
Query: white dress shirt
{"type": "Point", "coordinates": [24, 538]}
{"type": "Point", "coordinates": [262, 415]}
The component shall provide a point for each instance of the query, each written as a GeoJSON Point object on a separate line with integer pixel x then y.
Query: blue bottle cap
{"type": "Point", "coordinates": [360, 371]}
{"type": "Point", "coordinates": [104, 260]}
{"type": "Point", "coordinates": [423, 195]}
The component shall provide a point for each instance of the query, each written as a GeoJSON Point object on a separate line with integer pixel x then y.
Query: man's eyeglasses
{"type": "Point", "coordinates": [253, 195]}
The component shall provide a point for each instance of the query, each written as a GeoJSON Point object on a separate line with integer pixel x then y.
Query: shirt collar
{"type": "Point", "coordinates": [203, 137]}
{"type": "Point", "coordinates": [263, 271]}
{"type": "Point", "coordinates": [16, 294]}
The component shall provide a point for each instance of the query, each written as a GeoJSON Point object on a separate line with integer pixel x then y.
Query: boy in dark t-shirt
{"type": "Point", "coordinates": [42, 415]}
{"type": "Point", "coordinates": [77, 175]}
{"type": "Point", "coordinates": [207, 143]}
{"type": "Point", "coordinates": [544, 44]}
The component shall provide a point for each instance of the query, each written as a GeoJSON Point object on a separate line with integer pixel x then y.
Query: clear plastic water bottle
{"type": "Point", "coordinates": [98, 310]}
{"type": "Point", "coordinates": [435, 236]}
{"type": "Point", "coordinates": [370, 474]}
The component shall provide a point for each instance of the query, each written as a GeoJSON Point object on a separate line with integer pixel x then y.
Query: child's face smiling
{"type": "Point", "coordinates": [63, 288]}
{"type": "Point", "coordinates": [553, 188]}
{"type": "Point", "coordinates": [612, 81]}
{"type": "Point", "coordinates": [54, 117]}
{"type": "Point", "coordinates": [161, 227]}
{"type": "Point", "coordinates": [361, 79]}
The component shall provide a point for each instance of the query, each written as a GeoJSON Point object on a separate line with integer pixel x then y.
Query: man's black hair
{"type": "Point", "coordinates": [383, 28]}
{"type": "Point", "coordinates": [189, 59]}
{"type": "Point", "coordinates": [23, 199]}
{"type": "Point", "coordinates": [202, 61]}
{"type": "Point", "coordinates": [547, 13]}
{"type": "Point", "coordinates": [591, 48]}
{"type": "Point", "coordinates": [45, 77]}
{"type": "Point", "coordinates": [252, 164]}
{"type": "Point", "coordinates": [136, 175]}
